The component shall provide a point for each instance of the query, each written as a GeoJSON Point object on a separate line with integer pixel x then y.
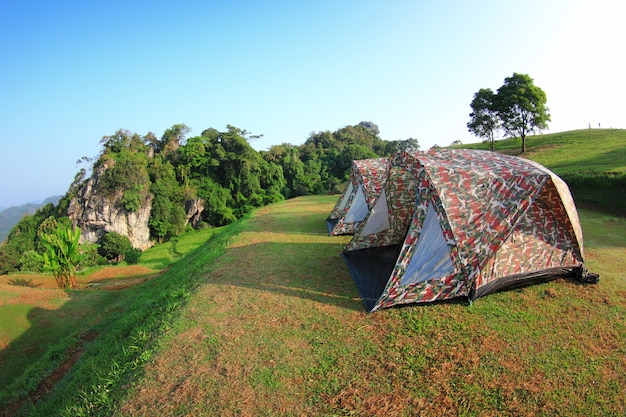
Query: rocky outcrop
{"type": "Point", "coordinates": [193, 210]}
{"type": "Point", "coordinates": [98, 209]}
{"type": "Point", "coordinates": [96, 214]}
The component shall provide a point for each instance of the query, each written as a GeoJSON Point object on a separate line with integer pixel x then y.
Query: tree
{"type": "Point", "coordinates": [484, 119]}
{"type": "Point", "coordinates": [521, 107]}
{"type": "Point", "coordinates": [126, 174]}
{"type": "Point", "coordinates": [167, 214]}
{"type": "Point", "coordinates": [114, 247]}
{"type": "Point", "coordinates": [62, 254]}
{"type": "Point", "coordinates": [407, 145]}
{"type": "Point", "coordinates": [172, 139]}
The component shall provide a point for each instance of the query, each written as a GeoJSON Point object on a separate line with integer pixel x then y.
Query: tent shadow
{"type": "Point", "coordinates": [310, 271]}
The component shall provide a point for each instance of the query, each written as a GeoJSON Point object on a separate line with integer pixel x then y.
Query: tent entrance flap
{"type": "Point", "coordinates": [358, 210]}
{"type": "Point", "coordinates": [331, 224]}
{"type": "Point", "coordinates": [431, 256]}
{"type": "Point", "coordinates": [370, 269]}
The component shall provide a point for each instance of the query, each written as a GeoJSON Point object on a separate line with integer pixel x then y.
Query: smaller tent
{"type": "Point", "coordinates": [367, 179]}
{"type": "Point", "coordinates": [463, 223]}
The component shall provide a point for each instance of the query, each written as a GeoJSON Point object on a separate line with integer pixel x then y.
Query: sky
{"type": "Point", "coordinates": [72, 72]}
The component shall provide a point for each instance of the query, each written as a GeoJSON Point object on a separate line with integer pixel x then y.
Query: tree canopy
{"type": "Point", "coordinates": [484, 119]}
{"type": "Point", "coordinates": [218, 168]}
{"type": "Point", "coordinates": [519, 107]}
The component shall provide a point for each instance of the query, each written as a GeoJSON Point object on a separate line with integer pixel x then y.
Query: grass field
{"type": "Point", "coordinates": [283, 332]}
{"type": "Point", "coordinates": [586, 150]}
{"type": "Point", "coordinates": [261, 318]}
{"type": "Point", "coordinates": [274, 326]}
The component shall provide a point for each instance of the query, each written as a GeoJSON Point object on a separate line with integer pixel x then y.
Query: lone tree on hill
{"type": "Point", "coordinates": [520, 107]}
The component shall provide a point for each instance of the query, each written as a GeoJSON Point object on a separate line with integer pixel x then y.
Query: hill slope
{"type": "Point", "coordinates": [274, 326]}
{"type": "Point", "coordinates": [572, 152]}
{"type": "Point", "coordinates": [591, 161]}
{"type": "Point", "coordinates": [278, 329]}
{"type": "Point", "coordinates": [9, 217]}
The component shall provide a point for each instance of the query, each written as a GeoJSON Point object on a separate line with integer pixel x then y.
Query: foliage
{"type": "Point", "coordinates": [114, 247]}
{"type": "Point", "coordinates": [91, 257]}
{"type": "Point", "coordinates": [484, 118]}
{"type": "Point", "coordinates": [22, 238]}
{"type": "Point", "coordinates": [172, 139]}
{"type": "Point", "coordinates": [167, 217]}
{"type": "Point", "coordinates": [519, 107]}
{"type": "Point", "coordinates": [11, 216]}
{"type": "Point", "coordinates": [31, 261]}
{"type": "Point", "coordinates": [407, 145]}
{"type": "Point", "coordinates": [126, 174]}
{"type": "Point", "coordinates": [62, 254]}
{"type": "Point", "coordinates": [218, 170]}
{"type": "Point", "coordinates": [606, 190]}
{"type": "Point", "coordinates": [132, 256]}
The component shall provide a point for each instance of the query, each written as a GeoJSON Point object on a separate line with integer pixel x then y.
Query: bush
{"type": "Point", "coordinates": [31, 262]}
{"type": "Point", "coordinates": [114, 247]}
{"type": "Point", "coordinates": [132, 256]}
{"type": "Point", "coordinates": [91, 257]}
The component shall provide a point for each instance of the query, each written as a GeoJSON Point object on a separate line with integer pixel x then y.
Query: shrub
{"type": "Point", "coordinates": [31, 262]}
{"type": "Point", "coordinates": [132, 256]}
{"type": "Point", "coordinates": [114, 247]}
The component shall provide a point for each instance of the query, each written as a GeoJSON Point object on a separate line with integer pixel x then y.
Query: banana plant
{"type": "Point", "coordinates": [62, 255]}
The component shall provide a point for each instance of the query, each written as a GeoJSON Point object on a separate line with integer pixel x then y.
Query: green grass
{"type": "Point", "coordinates": [125, 324]}
{"type": "Point", "coordinates": [572, 152]}
{"type": "Point", "coordinates": [289, 336]}
{"type": "Point", "coordinates": [264, 320]}
{"type": "Point", "coordinates": [161, 256]}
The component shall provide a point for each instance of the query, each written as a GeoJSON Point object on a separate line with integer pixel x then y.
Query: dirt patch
{"type": "Point", "coordinates": [131, 275]}
{"type": "Point", "coordinates": [45, 386]}
{"type": "Point", "coordinates": [119, 283]}
{"type": "Point", "coordinates": [118, 271]}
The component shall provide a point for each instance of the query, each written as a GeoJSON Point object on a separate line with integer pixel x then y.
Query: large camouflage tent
{"type": "Point", "coordinates": [463, 223]}
{"type": "Point", "coordinates": [367, 179]}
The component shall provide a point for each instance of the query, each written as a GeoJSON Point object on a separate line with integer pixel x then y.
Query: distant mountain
{"type": "Point", "coordinates": [9, 217]}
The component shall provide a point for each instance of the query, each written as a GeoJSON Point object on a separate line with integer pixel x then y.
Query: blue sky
{"type": "Point", "coordinates": [74, 71]}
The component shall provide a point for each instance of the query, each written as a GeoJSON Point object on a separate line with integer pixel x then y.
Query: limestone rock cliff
{"type": "Point", "coordinates": [96, 214]}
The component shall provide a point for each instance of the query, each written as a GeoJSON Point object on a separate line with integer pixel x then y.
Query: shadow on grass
{"type": "Point", "coordinates": [21, 282]}
{"type": "Point", "coordinates": [310, 271]}
{"type": "Point", "coordinates": [34, 362]}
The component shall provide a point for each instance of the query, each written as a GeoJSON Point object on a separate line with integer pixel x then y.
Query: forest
{"type": "Point", "coordinates": [221, 168]}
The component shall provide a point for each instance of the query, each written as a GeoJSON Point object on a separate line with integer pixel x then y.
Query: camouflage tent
{"type": "Point", "coordinates": [456, 223]}
{"type": "Point", "coordinates": [367, 179]}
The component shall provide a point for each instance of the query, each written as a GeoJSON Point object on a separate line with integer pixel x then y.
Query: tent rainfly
{"type": "Point", "coordinates": [464, 223]}
{"type": "Point", "coordinates": [367, 179]}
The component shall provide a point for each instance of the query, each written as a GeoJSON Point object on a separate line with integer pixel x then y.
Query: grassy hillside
{"type": "Point", "coordinates": [264, 320]}
{"type": "Point", "coordinates": [278, 329]}
{"type": "Point", "coordinates": [591, 161]}
{"type": "Point", "coordinates": [586, 150]}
